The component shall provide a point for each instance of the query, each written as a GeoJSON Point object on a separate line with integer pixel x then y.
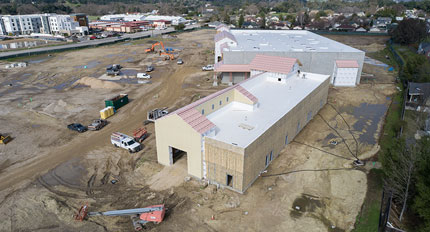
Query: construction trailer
{"type": "Point", "coordinates": [316, 53]}
{"type": "Point", "coordinates": [231, 136]}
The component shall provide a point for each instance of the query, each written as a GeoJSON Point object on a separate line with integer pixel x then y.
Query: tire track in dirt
{"type": "Point", "coordinates": [169, 91]}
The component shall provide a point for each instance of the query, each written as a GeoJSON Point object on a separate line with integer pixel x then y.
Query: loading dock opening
{"type": "Point", "coordinates": [176, 154]}
{"type": "Point", "coordinates": [229, 180]}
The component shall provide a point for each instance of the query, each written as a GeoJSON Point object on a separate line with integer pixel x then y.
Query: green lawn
{"type": "Point", "coordinates": [381, 56]}
{"type": "Point", "coordinates": [368, 219]}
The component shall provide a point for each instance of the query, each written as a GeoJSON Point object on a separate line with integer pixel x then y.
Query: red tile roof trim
{"type": "Point", "coordinates": [199, 122]}
{"type": "Point", "coordinates": [275, 64]}
{"type": "Point", "coordinates": [196, 120]}
{"type": "Point", "coordinates": [247, 94]}
{"type": "Point", "coordinates": [347, 64]}
{"type": "Point", "coordinates": [220, 67]}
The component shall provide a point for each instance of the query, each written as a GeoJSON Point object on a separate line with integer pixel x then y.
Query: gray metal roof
{"type": "Point", "coordinates": [419, 88]}
{"type": "Point", "coordinates": [286, 41]}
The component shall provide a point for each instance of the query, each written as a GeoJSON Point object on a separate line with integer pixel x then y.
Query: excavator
{"type": "Point", "coordinates": [167, 52]}
{"type": "Point", "coordinates": [167, 55]}
{"type": "Point", "coordinates": [152, 48]}
{"type": "Point", "coordinates": [139, 217]}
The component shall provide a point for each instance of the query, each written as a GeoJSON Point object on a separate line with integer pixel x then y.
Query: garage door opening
{"type": "Point", "coordinates": [229, 180]}
{"type": "Point", "coordinates": [176, 154]}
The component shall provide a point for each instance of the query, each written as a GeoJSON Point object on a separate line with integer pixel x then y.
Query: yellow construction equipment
{"type": "Point", "coordinates": [5, 139]}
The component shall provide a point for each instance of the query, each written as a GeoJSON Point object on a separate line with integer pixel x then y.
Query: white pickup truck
{"type": "Point", "coordinates": [125, 141]}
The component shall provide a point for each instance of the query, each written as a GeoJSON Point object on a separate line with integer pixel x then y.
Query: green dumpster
{"type": "Point", "coordinates": [117, 102]}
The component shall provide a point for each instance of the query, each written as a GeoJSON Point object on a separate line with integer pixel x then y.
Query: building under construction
{"type": "Point", "coordinates": [315, 53]}
{"type": "Point", "coordinates": [231, 136]}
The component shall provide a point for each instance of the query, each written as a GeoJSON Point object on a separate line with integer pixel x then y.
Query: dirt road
{"type": "Point", "coordinates": [168, 93]}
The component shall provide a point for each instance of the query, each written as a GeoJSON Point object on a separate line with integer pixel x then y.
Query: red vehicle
{"type": "Point", "coordinates": [93, 37]}
{"type": "Point", "coordinates": [140, 134]}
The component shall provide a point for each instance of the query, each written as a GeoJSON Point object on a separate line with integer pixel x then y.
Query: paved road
{"type": "Point", "coordinates": [88, 43]}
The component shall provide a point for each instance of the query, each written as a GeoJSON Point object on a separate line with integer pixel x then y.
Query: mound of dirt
{"type": "Point", "coordinates": [95, 83]}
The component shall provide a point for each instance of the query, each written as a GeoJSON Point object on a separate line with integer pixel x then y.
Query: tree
{"type": "Point", "coordinates": [422, 199]}
{"type": "Point", "coordinates": [399, 167]}
{"type": "Point", "coordinates": [227, 18]}
{"type": "Point", "coordinates": [409, 31]}
{"type": "Point", "coordinates": [241, 20]}
{"type": "Point", "coordinates": [414, 69]}
{"type": "Point", "coordinates": [320, 14]}
{"type": "Point", "coordinates": [179, 27]}
{"type": "Point", "coordinates": [252, 9]}
{"type": "Point", "coordinates": [9, 9]}
{"type": "Point", "coordinates": [263, 21]}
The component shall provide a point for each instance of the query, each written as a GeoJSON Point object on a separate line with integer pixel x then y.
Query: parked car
{"type": "Point", "coordinates": [208, 68]}
{"type": "Point", "coordinates": [150, 68]}
{"type": "Point", "coordinates": [180, 61]}
{"type": "Point", "coordinates": [114, 70]}
{"type": "Point", "coordinates": [140, 134]}
{"type": "Point", "coordinates": [77, 127]}
{"type": "Point", "coordinates": [97, 124]}
{"type": "Point", "coordinates": [143, 76]}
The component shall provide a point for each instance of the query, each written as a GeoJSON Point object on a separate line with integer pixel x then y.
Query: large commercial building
{"type": "Point", "coordinates": [42, 23]}
{"type": "Point", "coordinates": [231, 136]}
{"type": "Point", "coordinates": [175, 20]}
{"type": "Point", "coordinates": [315, 53]}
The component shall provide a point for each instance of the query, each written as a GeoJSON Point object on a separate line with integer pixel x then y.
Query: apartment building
{"type": "Point", "coordinates": [40, 23]}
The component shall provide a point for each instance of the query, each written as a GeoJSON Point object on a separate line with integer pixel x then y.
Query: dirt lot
{"type": "Point", "coordinates": [48, 172]}
{"type": "Point", "coordinates": [362, 42]}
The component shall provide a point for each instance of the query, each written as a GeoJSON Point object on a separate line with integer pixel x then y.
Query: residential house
{"type": "Point", "coordinates": [360, 29]}
{"type": "Point", "coordinates": [214, 24]}
{"type": "Point", "coordinates": [382, 21]}
{"type": "Point", "coordinates": [345, 27]}
{"type": "Point", "coordinates": [418, 96]}
{"type": "Point", "coordinates": [280, 25]}
{"type": "Point", "coordinates": [376, 30]}
{"type": "Point", "coordinates": [424, 48]}
{"type": "Point", "coordinates": [250, 25]}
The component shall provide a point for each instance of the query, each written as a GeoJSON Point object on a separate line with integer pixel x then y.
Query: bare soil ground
{"type": "Point", "coordinates": [48, 172]}
{"type": "Point", "coordinates": [362, 42]}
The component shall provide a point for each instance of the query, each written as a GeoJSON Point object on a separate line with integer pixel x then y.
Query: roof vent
{"type": "Point", "coordinates": [246, 126]}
